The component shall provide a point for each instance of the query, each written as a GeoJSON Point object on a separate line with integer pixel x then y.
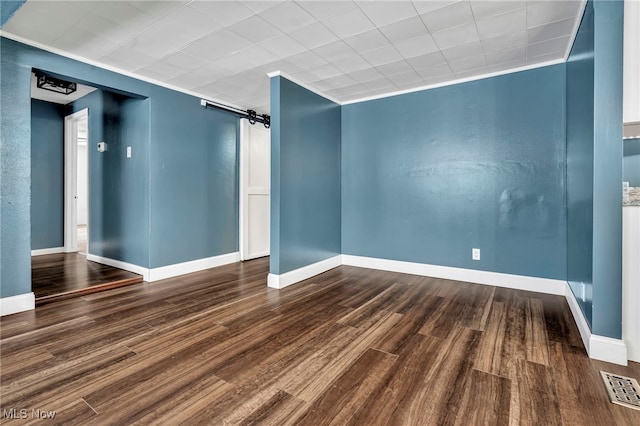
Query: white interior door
{"type": "Point", "coordinates": [71, 125]}
{"type": "Point", "coordinates": [255, 175]}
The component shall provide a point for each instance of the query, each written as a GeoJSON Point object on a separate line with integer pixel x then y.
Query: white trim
{"type": "Point", "coordinates": [97, 64]}
{"type": "Point", "coordinates": [242, 220]}
{"type": "Point", "coordinates": [304, 85]}
{"type": "Point", "coordinates": [598, 347]}
{"type": "Point", "coordinates": [163, 272]}
{"type": "Point", "coordinates": [145, 272]}
{"type": "Point", "coordinates": [20, 303]}
{"type": "Point", "coordinates": [71, 179]}
{"type": "Point", "coordinates": [42, 252]}
{"type": "Point", "coordinates": [608, 349]}
{"type": "Point", "coordinates": [517, 282]}
{"type": "Point", "coordinates": [578, 316]}
{"type": "Point", "coordinates": [452, 82]}
{"type": "Point", "coordinates": [576, 27]}
{"type": "Point", "coordinates": [301, 274]}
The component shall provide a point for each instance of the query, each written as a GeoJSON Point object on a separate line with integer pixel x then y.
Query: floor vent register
{"type": "Point", "coordinates": [622, 390]}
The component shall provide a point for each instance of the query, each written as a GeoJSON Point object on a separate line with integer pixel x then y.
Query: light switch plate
{"type": "Point", "coordinates": [128, 152]}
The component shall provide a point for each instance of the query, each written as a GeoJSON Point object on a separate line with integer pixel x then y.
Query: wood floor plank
{"type": "Point", "coordinates": [350, 346]}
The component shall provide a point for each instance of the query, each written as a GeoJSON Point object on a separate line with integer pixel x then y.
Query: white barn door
{"type": "Point", "coordinates": [255, 176]}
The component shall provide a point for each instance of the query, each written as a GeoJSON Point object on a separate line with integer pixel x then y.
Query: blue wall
{"type": "Point", "coordinates": [194, 180]}
{"type": "Point", "coordinates": [305, 177]}
{"type": "Point", "coordinates": [192, 168]}
{"type": "Point", "coordinates": [580, 164]}
{"type": "Point", "coordinates": [631, 163]}
{"type": "Point", "coordinates": [8, 8]}
{"type": "Point", "coordinates": [428, 176]}
{"type": "Point", "coordinates": [47, 175]}
{"type": "Point", "coordinates": [607, 169]}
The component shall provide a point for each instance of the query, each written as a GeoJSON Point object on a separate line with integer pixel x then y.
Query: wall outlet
{"type": "Point", "coordinates": [128, 152]}
{"type": "Point", "coordinates": [475, 254]}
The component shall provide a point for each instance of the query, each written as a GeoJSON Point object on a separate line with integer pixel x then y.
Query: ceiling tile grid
{"type": "Point", "coordinates": [346, 49]}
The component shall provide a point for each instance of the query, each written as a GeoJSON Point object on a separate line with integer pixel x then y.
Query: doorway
{"type": "Point", "coordinates": [76, 182]}
{"type": "Point", "coordinates": [255, 189]}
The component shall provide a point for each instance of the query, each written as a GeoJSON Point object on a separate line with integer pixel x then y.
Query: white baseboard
{"type": "Point", "coordinates": [301, 274]}
{"type": "Point", "coordinates": [20, 303]}
{"type": "Point", "coordinates": [163, 272]}
{"type": "Point", "coordinates": [42, 252]}
{"type": "Point", "coordinates": [145, 272]}
{"type": "Point", "coordinates": [517, 282]}
{"type": "Point", "coordinates": [598, 347]}
{"type": "Point", "coordinates": [169, 271]}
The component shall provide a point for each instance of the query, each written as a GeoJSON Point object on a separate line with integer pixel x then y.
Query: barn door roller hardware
{"type": "Point", "coordinates": [249, 114]}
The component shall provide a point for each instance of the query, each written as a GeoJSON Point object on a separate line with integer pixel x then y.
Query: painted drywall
{"type": "Point", "coordinates": [305, 177]}
{"type": "Point", "coordinates": [580, 164]}
{"type": "Point", "coordinates": [191, 155]}
{"type": "Point", "coordinates": [47, 175]}
{"type": "Point", "coordinates": [428, 176]}
{"type": "Point", "coordinates": [607, 169]}
{"type": "Point", "coordinates": [8, 8]}
{"type": "Point", "coordinates": [631, 162]}
{"type": "Point", "coordinates": [194, 180]}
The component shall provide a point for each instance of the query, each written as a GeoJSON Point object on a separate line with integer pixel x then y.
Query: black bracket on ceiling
{"type": "Point", "coordinates": [250, 114]}
{"type": "Point", "coordinates": [53, 84]}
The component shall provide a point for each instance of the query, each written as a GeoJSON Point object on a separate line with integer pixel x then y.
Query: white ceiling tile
{"type": "Point", "coordinates": [549, 46]}
{"type": "Point", "coordinates": [395, 68]}
{"type": "Point", "coordinates": [368, 74]}
{"type": "Point", "coordinates": [307, 60]}
{"type": "Point", "coordinates": [552, 30]}
{"type": "Point", "coordinates": [288, 16]}
{"type": "Point", "coordinates": [410, 77]}
{"type": "Point", "coordinates": [507, 23]}
{"type": "Point", "coordinates": [258, 6]}
{"type": "Point", "coordinates": [184, 61]}
{"type": "Point", "coordinates": [468, 64]}
{"type": "Point", "coordinates": [32, 21]}
{"type": "Point", "coordinates": [158, 8]}
{"type": "Point", "coordinates": [449, 16]}
{"type": "Point", "coordinates": [426, 6]}
{"type": "Point", "coordinates": [483, 9]}
{"type": "Point", "coordinates": [354, 89]}
{"type": "Point", "coordinates": [429, 81]}
{"type": "Point", "coordinates": [283, 46]}
{"type": "Point", "coordinates": [335, 50]}
{"type": "Point", "coordinates": [324, 72]}
{"type": "Point", "coordinates": [463, 51]}
{"type": "Point", "coordinates": [505, 56]}
{"type": "Point", "coordinates": [193, 21]}
{"type": "Point", "coordinates": [382, 55]}
{"type": "Point", "coordinates": [255, 29]}
{"type": "Point", "coordinates": [160, 39]}
{"type": "Point", "coordinates": [505, 42]}
{"type": "Point", "coordinates": [417, 46]}
{"type": "Point", "coordinates": [506, 66]}
{"type": "Point", "coordinates": [381, 84]}
{"type": "Point", "coordinates": [123, 13]}
{"type": "Point", "coordinates": [217, 44]}
{"type": "Point", "coordinates": [386, 12]}
{"type": "Point", "coordinates": [340, 81]}
{"type": "Point", "coordinates": [351, 64]}
{"type": "Point", "coordinates": [434, 71]}
{"type": "Point", "coordinates": [403, 30]}
{"type": "Point", "coordinates": [549, 11]}
{"type": "Point", "coordinates": [545, 58]}
{"type": "Point", "coordinates": [84, 43]}
{"type": "Point", "coordinates": [323, 9]}
{"type": "Point", "coordinates": [348, 23]}
{"type": "Point", "coordinates": [456, 36]}
{"type": "Point", "coordinates": [127, 58]}
{"type": "Point", "coordinates": [428, 60]}
{"type": "Point", "coordinates": [160, 70]}
{"type": "Point", "coordinates": [105, 28]}
{"type": "Point", "coordinates": [368, 40]}
{"type": "Point", "coordinates": [314, 35]}
{"type": "Point", "coordinates": [250, 57]}
{"type": "Point", "coordinates": [222, 13]}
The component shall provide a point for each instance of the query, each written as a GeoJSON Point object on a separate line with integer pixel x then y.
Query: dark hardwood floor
{"type": "Point", "coordinates": [64, 275]}
{"type": "Point", "coordinates": [351, 346]}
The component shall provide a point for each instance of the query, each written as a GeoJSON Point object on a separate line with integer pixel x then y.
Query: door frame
{"type": "Point", "coordinates": [71, 179]}
{"type": "Point", "coordinates": [243, 218]}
